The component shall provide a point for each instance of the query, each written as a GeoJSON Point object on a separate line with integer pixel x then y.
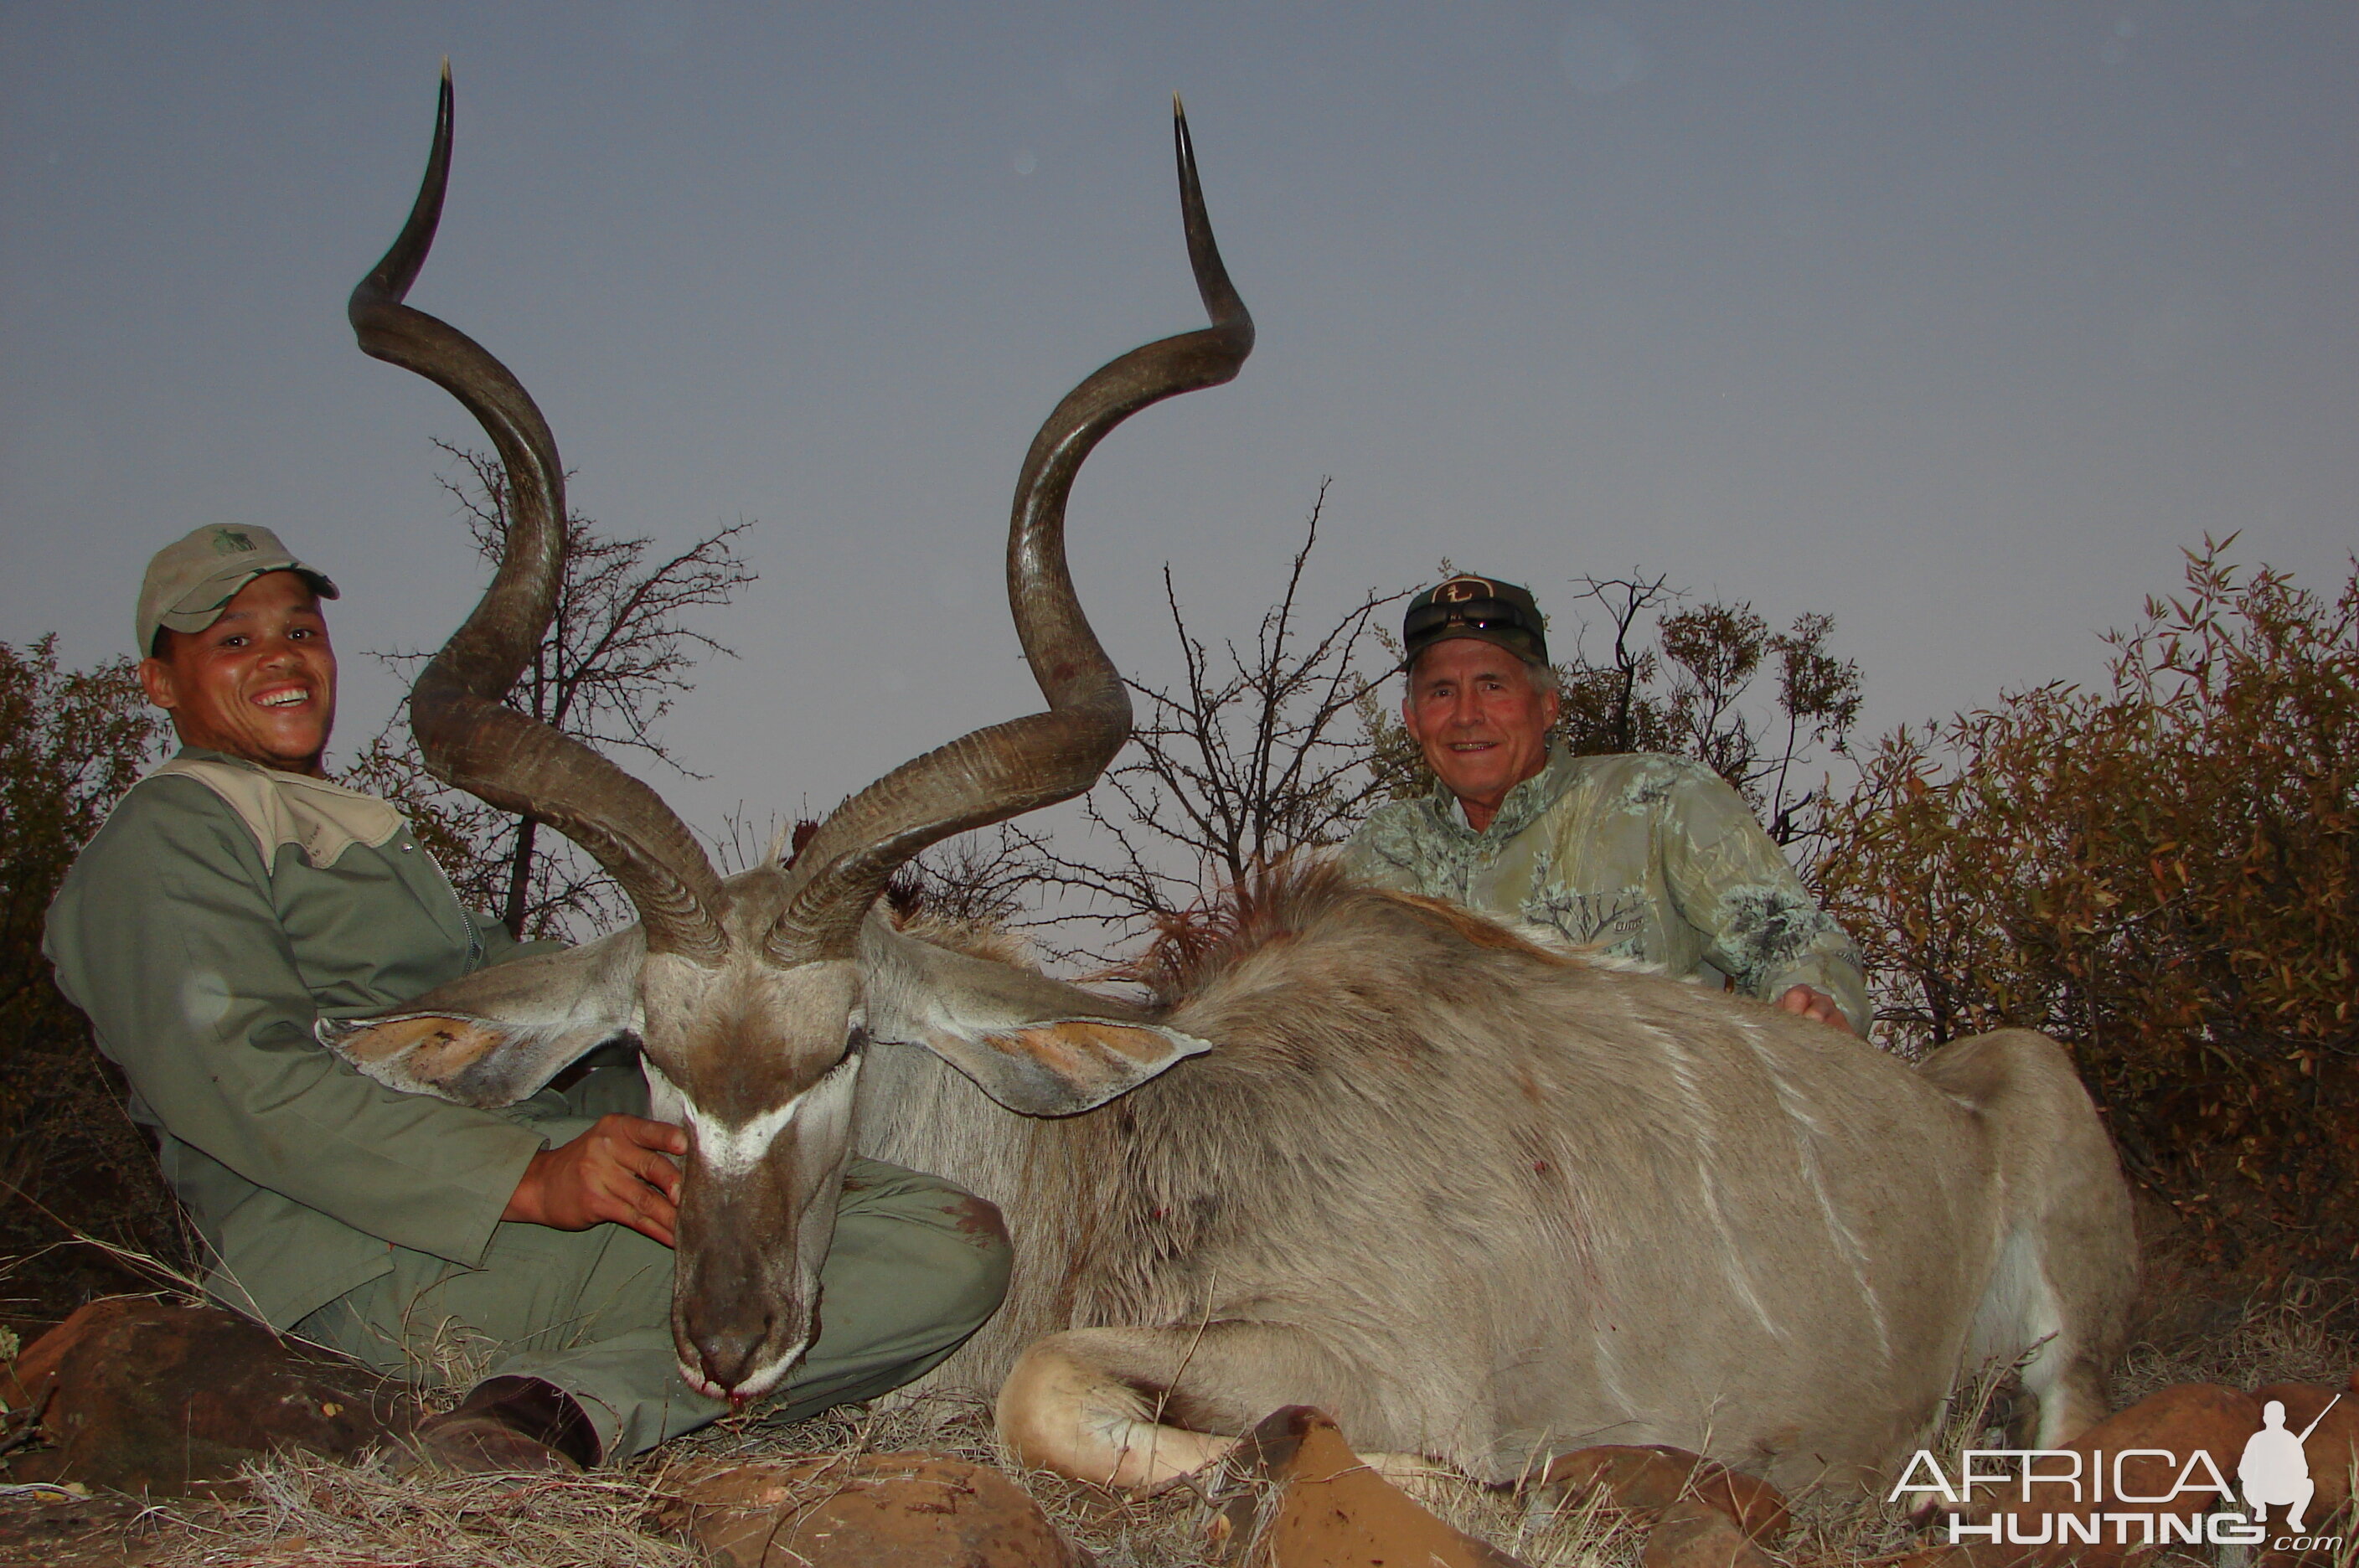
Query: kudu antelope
{"type": "Point", "coordinates": [1483, 1200]}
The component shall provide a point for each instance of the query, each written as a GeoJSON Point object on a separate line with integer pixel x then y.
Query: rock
{"type": "Point", "coordinates": [2332, 1447]}
{"type": "Point", "coordinates": [141, 1397]}
{"type": "Point", "coordinates": [1655, 1477]}
{"type": "Point", "coordinates": [1692, 1534]}
{"type": "Point", "coordinates": [870, 1511]}
{"type": "Point", "coordinates": [2181, 1420]}
{"type": "Point", "coordinates": [1306, 1500]}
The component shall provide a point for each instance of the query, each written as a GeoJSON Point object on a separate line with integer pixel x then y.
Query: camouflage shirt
{"type": "Point", "coordinates": [1643, 856]}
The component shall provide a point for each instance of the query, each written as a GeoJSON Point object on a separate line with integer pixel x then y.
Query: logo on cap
{"type": "Point", "coordinates": [1460, 590]}
{"type": "Point", "coordinates": [229, 542]}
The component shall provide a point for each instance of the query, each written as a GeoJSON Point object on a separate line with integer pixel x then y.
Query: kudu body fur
{"type": "Point", "coordinates": [1486, 1201]}
{"type": "Point", "coordinates": [1483, 1200]}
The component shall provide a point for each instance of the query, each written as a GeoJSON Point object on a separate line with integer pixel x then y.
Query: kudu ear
{"type": "Point", "coordinates": [1035, 1045]}
{"type": "Point", "coordinates": [499, 1034]}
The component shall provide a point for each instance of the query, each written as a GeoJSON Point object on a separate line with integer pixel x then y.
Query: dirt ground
{"type": "Point", "coordinates": [72, 1532]}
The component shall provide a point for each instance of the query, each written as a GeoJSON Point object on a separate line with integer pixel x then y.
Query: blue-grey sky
{"type": "Point", "coordinates": [1957, 321]}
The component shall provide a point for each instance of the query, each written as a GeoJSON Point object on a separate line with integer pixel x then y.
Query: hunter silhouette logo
{"type": "Point", "coordinates": [2063, 1497]}
{"type": "Point", "coordinates": [2275, 1470]}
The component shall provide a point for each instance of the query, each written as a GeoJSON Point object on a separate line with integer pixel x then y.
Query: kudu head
{"type": "Point", "coordinates": [750, 996]}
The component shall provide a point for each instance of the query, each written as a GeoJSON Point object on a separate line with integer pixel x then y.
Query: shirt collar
{"type": "Point", "coordinates": [207, 753]}
{"type": "Point", "coordinates": [1525, 802]}
{"type": "Point", "coordinates": [277, 775]}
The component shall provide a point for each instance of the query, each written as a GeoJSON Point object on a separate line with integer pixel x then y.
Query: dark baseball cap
{"type": "Point", "coordinates": [192, 580]}
{"type": "Point", "coordinates": [1480, 607]}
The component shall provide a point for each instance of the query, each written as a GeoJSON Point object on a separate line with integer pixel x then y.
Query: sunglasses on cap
{"type": "Point", "coordinates": [1478, 614]}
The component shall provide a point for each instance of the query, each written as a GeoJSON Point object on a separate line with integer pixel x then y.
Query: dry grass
{"type": "Point", "coordinates": [1584, 1534]}
{"type": "Point", "coordinates": [2296, 1334]}
{"type": "Point", "coordinates": [310, 1511]}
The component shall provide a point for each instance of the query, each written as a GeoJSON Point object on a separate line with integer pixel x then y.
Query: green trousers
{"type": "Point", "coordinates": [917, 1266]}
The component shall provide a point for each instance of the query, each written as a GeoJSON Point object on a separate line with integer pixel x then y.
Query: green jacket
{"type": "Point", "coordinates": [1642, 856]}
{"type": "Point", "coordinates": [220, 912]}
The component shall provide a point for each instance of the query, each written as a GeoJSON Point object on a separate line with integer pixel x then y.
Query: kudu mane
{"type": "Point", "coordinates": [1194, 949]}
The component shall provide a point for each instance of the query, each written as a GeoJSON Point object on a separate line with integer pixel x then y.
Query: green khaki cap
{"type": "Point", "coordinates": [1483, 607]}
{"type": "Point", "coordinates": [192, 580]}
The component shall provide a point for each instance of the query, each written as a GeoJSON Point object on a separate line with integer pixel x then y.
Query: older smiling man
{"type": "Point", "coordinates": [235, 897]}
{"type": "Point", "coordinates": [1643, 856]}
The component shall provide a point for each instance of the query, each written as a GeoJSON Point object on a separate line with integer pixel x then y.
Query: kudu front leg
{"type": "Point", "coordinates": [1142, 1408]}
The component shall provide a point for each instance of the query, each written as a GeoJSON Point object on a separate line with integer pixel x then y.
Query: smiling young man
{"type": "Point", "coordinates": [1643, 856]}
{"type": "Point", "coordinates": [260, 682]}
{"type": "Point", "coordinates": [234, 898]}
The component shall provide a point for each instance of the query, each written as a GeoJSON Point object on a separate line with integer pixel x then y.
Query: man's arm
{"type": "Point", "coordinates": [167, 937]}
{"type": "Point", "coordinates": [1761, 923]}
{"type": "Point", "coordinates": [1358, 860]}
{"type": "Point", "coordinates": [1383, 852]}
{"type": "Point", "coordinates": [621, 1167]}
{"type": "Point", "coordinates": [499, 947]}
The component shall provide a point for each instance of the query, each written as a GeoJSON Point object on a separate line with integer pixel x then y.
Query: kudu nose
{"type": "Point", "coordinates": [729, 1355]}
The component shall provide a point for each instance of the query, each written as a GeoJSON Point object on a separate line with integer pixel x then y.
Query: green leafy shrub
{"type": "Point", "coordinates": [2160, 874]}
{"type": "Point", "coordinates": [71, 743]}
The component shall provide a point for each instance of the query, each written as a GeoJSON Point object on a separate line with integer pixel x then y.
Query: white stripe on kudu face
{"type": "Point", "coordinates": [732, 1151]}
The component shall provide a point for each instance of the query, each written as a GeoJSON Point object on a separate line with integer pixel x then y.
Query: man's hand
{"type": "Point", "coordinates": [617, 1171]}
{"type": "Point", "coordinates": [1813, 1003]}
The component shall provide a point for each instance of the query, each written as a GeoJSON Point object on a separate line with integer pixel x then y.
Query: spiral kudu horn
{"type": "Point", "coordinates": [994, 774]}
{"type": "Point", "coordinates": [466, 736]}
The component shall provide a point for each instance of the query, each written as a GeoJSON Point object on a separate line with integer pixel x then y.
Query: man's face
{"type": "Point", "coordinates": [1480, 723]}
{"type": "Point", "coordinates": [258, 683]}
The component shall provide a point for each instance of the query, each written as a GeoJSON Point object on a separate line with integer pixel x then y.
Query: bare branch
{"type": "Point", "coordinates": [1247, 759]}
{"type": "Point", "coordinates": [621, 648]}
